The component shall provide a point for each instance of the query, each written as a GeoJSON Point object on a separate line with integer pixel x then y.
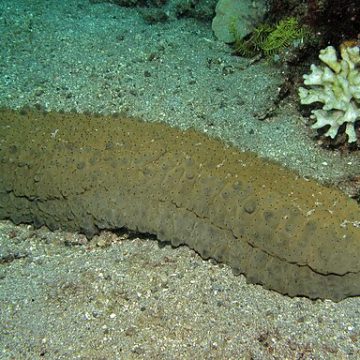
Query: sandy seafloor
{"type": "Point", "coordinates": [119, 296]}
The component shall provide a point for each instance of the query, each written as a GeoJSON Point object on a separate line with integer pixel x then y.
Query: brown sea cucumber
{"type": "Point", "coordinates": [87, 173]}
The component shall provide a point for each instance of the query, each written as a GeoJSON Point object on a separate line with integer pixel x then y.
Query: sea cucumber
{"type": "Point", "coordinates": [85, 173]}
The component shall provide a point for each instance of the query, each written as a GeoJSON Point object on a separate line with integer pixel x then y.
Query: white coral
{"type": "Point", "coordinates": [337, 86]}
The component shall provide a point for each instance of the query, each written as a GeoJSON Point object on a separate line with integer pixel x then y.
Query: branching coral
{"type": "Point", "coordinates": [337, 86]}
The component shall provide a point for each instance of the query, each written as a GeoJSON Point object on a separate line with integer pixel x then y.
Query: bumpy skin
{"type": "Point", "coordinates": [86, 173]}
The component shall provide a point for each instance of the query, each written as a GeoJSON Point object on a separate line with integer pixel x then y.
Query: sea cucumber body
{"type": "Point", "coordinates": [87, 173]}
